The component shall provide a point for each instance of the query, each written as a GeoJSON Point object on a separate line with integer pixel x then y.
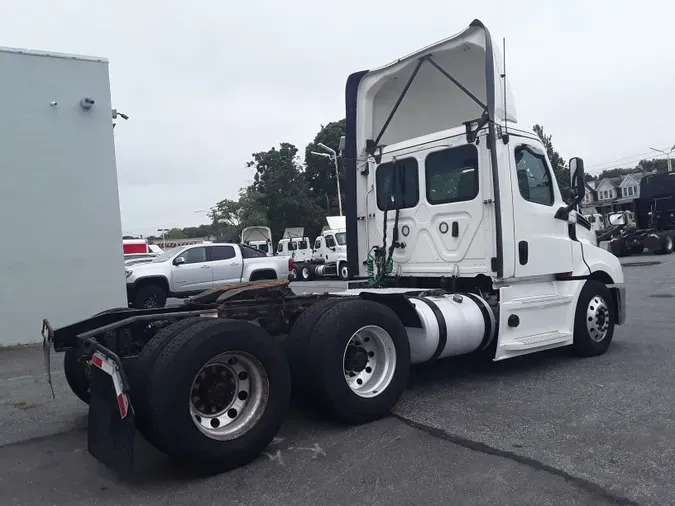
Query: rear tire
{"type": "Point", "coordinates": [297, 344]}
{"type": "Point", "coordinates": [594, 320]}
{"type": "Point", "coordinates": [178, 372]}
{"type": "Point", "coordinates": [144, 366]}
{"type": "Point", "coordinates": [150, 297]}
{"type": "Point", "coordinates": [618, 248]}
{"type": "Point", "coordinates": [666, 245]}
{"type": "Point", "coordinates": [77, 376]}
{"type": "Point", "coordinates": [344, 337]}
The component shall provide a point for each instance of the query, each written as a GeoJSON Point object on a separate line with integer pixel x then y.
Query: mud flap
{"type": "Point", "coordinates": [111, 420]}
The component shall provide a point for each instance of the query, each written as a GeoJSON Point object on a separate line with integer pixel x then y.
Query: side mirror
{"type": "Point", "coordinates": [577, 178]}
{"type": "Point", "coordinates": [617, 219]}
{"type": "Point", "coordinates": [577, 188]}
{"type": "Point", "coordinates": [179, 261]}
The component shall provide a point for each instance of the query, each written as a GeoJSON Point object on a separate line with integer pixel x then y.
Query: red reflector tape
{"type": "Point", "coordinates": [97, 362]}
{"type": "Point", "coordinates": [122, 405]}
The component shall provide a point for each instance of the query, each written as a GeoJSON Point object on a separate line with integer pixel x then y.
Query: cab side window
{"type": "Point", "coordinates": [195, 255]}
{"type": "Point", "coordinates": [397, 184]}
{"type": "Point", "coordinates": [330, 241]}
{"type": "Point", "coordinates": [534, 177]}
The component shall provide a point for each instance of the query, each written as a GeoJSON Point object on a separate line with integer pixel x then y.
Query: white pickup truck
{"type": "Point", "coordinates": [188, 270]}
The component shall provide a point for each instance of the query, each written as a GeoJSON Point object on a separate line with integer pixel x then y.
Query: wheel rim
{"type": "Point", "coordinates": [305, 273]}
{"type": "Point", "coordinates": [669, 243]}
{"type": "Point", "coordinates": [344, 271]}
{"type": "Point", "coordinates": [228, 395]}
{"type": "Point", "coordinates": [597, 318]}
{"type": "Point", "coordinates": [151, 302]}
{"type": "Point", "coordinates": [369, 361]}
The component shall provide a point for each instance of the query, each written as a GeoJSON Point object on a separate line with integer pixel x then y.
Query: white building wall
{"type": "Point", "coordinates": [58, 194]}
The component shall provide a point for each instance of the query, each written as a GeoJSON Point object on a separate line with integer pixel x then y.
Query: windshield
{"type": "Point", "coordinates": [341, 238]}
{"type": "Point", "coordinates": [167, 254]}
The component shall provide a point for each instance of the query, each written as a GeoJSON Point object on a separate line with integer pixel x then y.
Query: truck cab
{"type": "Point", "coordinates": [298, 248]}
{"type": "Point", "coordinates": [258, 237]}
{"type": "Point", "coordinates": [446, 189]}
{"type": "Point", "coordinates": [330, 247]}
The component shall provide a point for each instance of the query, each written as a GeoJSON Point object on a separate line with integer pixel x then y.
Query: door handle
{"type": "Point", "coordinates": [455, 229]}
{"type": "Point", "coordinates": [522, 252]}
{"type": "Point", "coordinates": [234, 263]}
{"type": "Point", "coordinates": [206, 267]}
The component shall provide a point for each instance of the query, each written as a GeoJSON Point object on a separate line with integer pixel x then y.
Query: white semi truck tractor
{"type": "Point", "coordinates": [454, 216]}
{"type": "Point", "coordinates": [329, 253]}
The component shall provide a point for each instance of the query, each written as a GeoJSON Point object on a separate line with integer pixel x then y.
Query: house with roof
{"type": "Point", "coordinates": [612, 194]}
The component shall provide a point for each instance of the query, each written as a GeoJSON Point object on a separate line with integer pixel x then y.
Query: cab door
{"type": "Point", "coordinates": [331, 249]}
{"type": "Point", "coordinates": [227, 264]}
{"type": "Point", "coordinates": [542, 241]}
{"type": "Point", "coordinates": [195, 274]}
{"type": "Point", "coordinates": [317, 252]}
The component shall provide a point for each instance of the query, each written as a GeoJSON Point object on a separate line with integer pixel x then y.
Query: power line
{"type": "Point", "coordinates": [628, 158]}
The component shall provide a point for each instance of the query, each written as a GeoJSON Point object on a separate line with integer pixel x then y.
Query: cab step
{"type": "Point", "coordinates": [538, 341]}
{"type": "Point", "coordinates": [539, 301]}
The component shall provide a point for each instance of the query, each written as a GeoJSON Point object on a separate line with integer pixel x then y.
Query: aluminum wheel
{"type": "Point", "coordinates": [369, 361]}
{"type": "Point", "coordinates": [597, 318]}
{"type": "Point", "coordinates": [229, 395]}
{"type": "Point", "coordinates": [344, 271]}
{"type": "Point", "coordinates": [668, 245]}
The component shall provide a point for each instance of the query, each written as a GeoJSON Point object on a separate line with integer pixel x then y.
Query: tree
{"type": "Point", "coordinates": [653, 165]}
{"type": "Point", "coordinates": [557, 162]}
{"type": "Point", "coordinates": [280, 183]}
{"type": "Point", "coordinates": [320, 171]}
{"type": "Point", "coordinates": [175, 233]}
{"type": "Point", "coordinates": [226, 213]}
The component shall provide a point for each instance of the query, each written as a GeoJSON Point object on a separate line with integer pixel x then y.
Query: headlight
{"type": "Point", "coordinates": [128, 273]}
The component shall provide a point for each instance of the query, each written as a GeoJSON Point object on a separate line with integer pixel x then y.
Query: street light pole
{"type": "Point", "coordinates": [163, 231]}
{"type": "Point", "coordinates": [667, 153]}
{"type": "Point", "coordinates": [333, 156]}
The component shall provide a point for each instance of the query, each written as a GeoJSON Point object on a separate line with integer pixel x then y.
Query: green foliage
{"type": "Point", "coordinates": [279, 184]}
{"type": "Point", "coordinates": [175, 233]}
{"type": "Point", "coordinates": [557, 163]}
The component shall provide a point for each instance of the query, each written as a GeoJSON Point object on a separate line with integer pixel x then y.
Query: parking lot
{"type": "Point", "coordinates": [544, 429]}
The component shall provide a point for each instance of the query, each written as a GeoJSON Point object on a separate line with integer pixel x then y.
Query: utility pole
{"type": "Point", "coordinates": [667, 153]}
{"type": "Point", "coordinates": [332, 155]}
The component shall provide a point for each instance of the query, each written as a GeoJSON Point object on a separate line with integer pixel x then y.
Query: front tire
{"type": "Point", "coordinates": [218, 394]}
{"type": "Point", "coordinates": [307, 273]}
{"type": "Point", "coordinates": [594, 320]}
{"type": "Point", "coordinates": [343, 271]}
{"type": "Point", "coordinates": [150, 297]}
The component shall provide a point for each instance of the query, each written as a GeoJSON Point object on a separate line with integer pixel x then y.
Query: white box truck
{"type": "Point", "coordinates": [58, 195]}
{"type": "Point", "coordinates": [470, 248]}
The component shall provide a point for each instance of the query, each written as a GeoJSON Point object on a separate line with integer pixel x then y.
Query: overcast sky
{"type": "Point", "coordinates": [207, 83]}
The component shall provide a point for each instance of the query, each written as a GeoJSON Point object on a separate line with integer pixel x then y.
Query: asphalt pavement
{"type": "Point", "coordinates": [544, 429]}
